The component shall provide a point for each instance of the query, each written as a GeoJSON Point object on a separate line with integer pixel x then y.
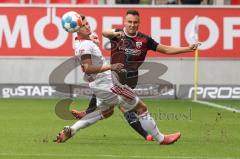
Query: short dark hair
{"type": "Point", "coordinates": [83, 17]}
{"type": "Point", "coordinates": [132, 12]}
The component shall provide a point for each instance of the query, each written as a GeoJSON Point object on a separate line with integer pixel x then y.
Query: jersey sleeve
{"type": "Point", "coordinates": [151, 44]}
{"type": "Point", "coordinates": [116, 30]}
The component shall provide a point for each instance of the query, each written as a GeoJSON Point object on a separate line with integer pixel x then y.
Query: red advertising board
{"type": "Point", "coordinates": [36, 31]}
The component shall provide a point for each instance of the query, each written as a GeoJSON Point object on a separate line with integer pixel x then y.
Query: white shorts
{"type": "Point", "coordinates": [113, 95]}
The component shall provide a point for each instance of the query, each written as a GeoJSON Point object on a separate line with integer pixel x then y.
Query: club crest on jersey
{"type": "Point", "coordinates": [138, 44]}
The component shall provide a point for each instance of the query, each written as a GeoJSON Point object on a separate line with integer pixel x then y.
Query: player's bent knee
{"type": "Point", "coordinates": [108, 113]}
{"type": "Point", "coordinates": [140, 108]}
{"type": "Point", "coordinates": [122, 109]}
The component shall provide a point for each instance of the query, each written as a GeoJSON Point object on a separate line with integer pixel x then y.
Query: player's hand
{"type": "Point", "coordinates": [117, 67]}
{"type": "Point", "coordinates": [118, 34]}
{"type": "Point", "coordinates": [193, 47]}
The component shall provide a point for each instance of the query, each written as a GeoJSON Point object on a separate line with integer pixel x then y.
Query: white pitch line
{"type": "Point", "coordinates": [112, 156]}
{"type": "Point", "coordinates": [217, 106]}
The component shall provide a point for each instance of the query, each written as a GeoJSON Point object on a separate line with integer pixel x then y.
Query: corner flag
{"type": "Point", "coordinates": [193, 37]}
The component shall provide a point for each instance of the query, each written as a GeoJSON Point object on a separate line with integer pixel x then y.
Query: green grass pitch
{"type": "Point", "coordinates": [27, 128]}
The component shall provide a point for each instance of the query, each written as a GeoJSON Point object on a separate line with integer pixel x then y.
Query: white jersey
{"type": "Point", "coordinates": [84, 47]}
{"type": "Point", "coordinates": [103, 85]}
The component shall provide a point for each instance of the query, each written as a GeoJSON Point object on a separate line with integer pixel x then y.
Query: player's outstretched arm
{"type": "Point", "coordinates": [90, 68]}
{"type": "Point", "coordinates": [165, 49]}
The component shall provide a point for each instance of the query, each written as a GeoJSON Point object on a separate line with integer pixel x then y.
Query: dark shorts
{"type": "Point", "coordinates": [129, 78]}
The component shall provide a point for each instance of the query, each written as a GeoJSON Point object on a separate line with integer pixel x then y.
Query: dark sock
{"type": "Point", "coordinates": [92, 105]}
{"type": "Point", "coordinates": [135, 124]}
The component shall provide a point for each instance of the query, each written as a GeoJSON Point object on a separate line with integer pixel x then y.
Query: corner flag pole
{"type": "Point", "coordinates": [193, 37]}
{"type": "Point", "coordinates": [196, 75]}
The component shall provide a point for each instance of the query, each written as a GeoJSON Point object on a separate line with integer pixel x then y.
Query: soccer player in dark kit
{"type": "Point", "coordinates": [129, 47]}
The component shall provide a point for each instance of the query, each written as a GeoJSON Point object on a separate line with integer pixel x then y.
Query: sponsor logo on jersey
{"type": "Point", "coordinates": [134, 52]}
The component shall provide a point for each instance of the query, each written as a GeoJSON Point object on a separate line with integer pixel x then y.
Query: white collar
{"type": "Point", "coordinates": [130, 36]}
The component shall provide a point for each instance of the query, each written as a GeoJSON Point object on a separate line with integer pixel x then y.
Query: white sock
{"type": "Point", "coordinates": [86, 121]}
{"type": "Point", "coordinates": [150, 126]}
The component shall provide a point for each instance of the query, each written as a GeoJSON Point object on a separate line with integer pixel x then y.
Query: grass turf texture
{"type": "Point", "coordinates": [27, 128]}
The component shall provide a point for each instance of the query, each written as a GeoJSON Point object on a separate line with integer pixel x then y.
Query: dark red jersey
{"type": "Point", "coordinates": [131, 51]}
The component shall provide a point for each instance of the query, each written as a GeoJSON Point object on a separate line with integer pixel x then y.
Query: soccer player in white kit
{"type": "Point", "coordinates": [109, 92]}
